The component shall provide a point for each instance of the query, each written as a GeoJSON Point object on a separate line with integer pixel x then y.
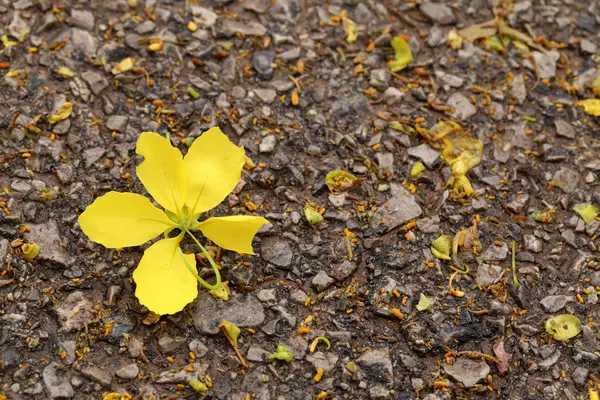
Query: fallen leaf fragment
{"type": "Point", "coordinates": [563, 327]}
{"type": "Point", "coordinates": [232, 332]}
{"type": "Point", "coordinates": [313, 217]}
{"type": "Point", "coordinates": [417, 169]}
{"type": "Point", "coordinates": [591, 106]}
{"type": "Point", "coordinates": [350, 29]}
{"type": "Point", "coordinates": [502, 356]}
{"type": "Point", "coordinates": [341, 181]}
{"type": "Point", "coordinates": [63, 113]}
{"type": "Point", "coordinates": [282, 353]}
{"type": "Point", "coordinates": [440, 247]}
{"type": "Point", "coordinates": [402, 55]}
{"type": "Point", "coordinates": [424, 303]}
{"type": "Point", "coordinates": [198, 386]}
{"type": "Point", "coordinates": [587, 212]}
{"type": "Point", "coordinates": [124, 66]}
{"type": "Point", "coordinates": [113, 396]}
{"type": "Point", "coordinates": [313, 345]}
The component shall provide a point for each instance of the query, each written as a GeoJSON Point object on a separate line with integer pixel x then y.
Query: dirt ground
{"type": "Point", "coordinates": [288, 80]}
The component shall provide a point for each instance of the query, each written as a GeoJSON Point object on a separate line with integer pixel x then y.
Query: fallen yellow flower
{"type": "Point", "coordinates": [402, 55]}
{"type": "Point", "coordinates": [591, 106]}
{"type": "Point", "coordinates": [185, 187]}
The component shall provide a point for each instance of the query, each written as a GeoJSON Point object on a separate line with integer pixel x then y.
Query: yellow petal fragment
{"type": "Point", "coordinates": [402, 55]}
{"type": "Point", "coordinates": [233, 232]}
{"type": "Point", "coordinates": [440, 247]}
{"type": "Point", "coordinates": [587, 212]}
{"type": "Point", "coordinates": [461, 153]}
{"type": "Point", "coordinates": [65, 72]}
{"type": "Point", "coordinates": [350, 29]}
{"type": "Point", "coordinates": [162, 172]}
{"type": "Point", "coordinates": [341, 181]}
{"type": "Point", "coordinates": [164, 283]}
{"type": "Point", "coordinates": [214, 167]}
{"type": "Point", "coordinates": [7, 42]}
{"type": "Point", "coordinates": [416, 170]}
{"type": "Point", "coordinates": [30, 250]}
{"type": "Point", "coordinates": [593, 395]}
{"type": "Point", "coordinates": [118, 220]}
{"type": "Point", "coordinates": [230, 330]}
{"type": "Point", "coordinates": [124, 66]}
{"type": "Point", "coordinates": [591, 106]}
{"type": "Point", "coordinates": [198, 386]}
{"type": "Point", "coordinates": [313, 217]}
{"type": "Point", "coordinates": [63, 113]}
{"type": "Point", "coordinates": [282, 353]}
{"type": "Point", "coordinates": [563, 327]}
{"type": "Point", "coordinates": [424, 303]}
{"type": "Point", "coordinates": [479, 31]}
{"type": "Point", "coordinates": [454, 40]}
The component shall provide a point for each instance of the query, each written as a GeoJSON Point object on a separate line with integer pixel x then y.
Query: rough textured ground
{"type": "Point", "coordinates": [71, 326]}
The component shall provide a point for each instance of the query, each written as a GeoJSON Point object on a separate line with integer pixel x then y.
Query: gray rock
{"type": "Point", "coordinates": [83, 19]}
{"type": "Point", "coordinates": [424, 153]}
{"type": "Point", "coordinates": [251, 28]}
{"type": "Point", "coordinates": [267, 296]}
{"type": "Point", "coordinates": [588, 46]}
{"type": "Point", "coordinates": [96, 81]}
{"type": "Point", "coordinates": [438, 12]}
{"type": "Point", "coordinates": [299, 297]}
{"type": "Point", "coordinates": [496, 253]}
{"type": "Point", "coordinates": [69, 347]}
{"type": "Point", "coordinates": [553, 304]}
{"type": "Point", "coordinates": [401, 208]}
{"type": "Point", "coordinates": [56, 382]}
{"type": "Point", "coordinates": [580, 375]}
{"type": "Point", "coordinates": [286, 10]}
{"type": "Point", "coordinates": [129, 371]}
{"type": "Point", "coordinates": [546, 63]}
{"type": "Point", "coordinates": [567, 179]}
{"type": "Point", "coordinates": [379, 393]}
{"type": "Point", "coordinates": [550, 361]}
{"type": "Point", "coordinates": [586, 22]}
{"type": "Point", "coordinates": [198, 348]}
{"type": "Point", "coordinates": [532, 243]}
{"type": "Point", "coordinates": [262, 61]}
{"type": "Point", "coordinates": [277, 251]}
{"type": "Point", "coordinates": [344, 270]}
{"type": "Point", "coordinates": [167, 344]}
{"type": "Point", "coordinates": [327, 361]}
{"type": "Point", "coordinates": [436, 37]}
{"type": "Point", "coordinates": [184, 375]}
{"type": "Point", "coordinates": [98, 375]}
{"type": "Point", "coordinates": [52, 245]}
{"type": "Point", "coordinates": [385, 161]}
{"type": "Point", "coordinates": [488, 274]}
{"type": "Point", "coordinates": [463, 108]}
{"type": "Point", "coordinates": [117, 123]}
{"type": "Point", "coordinates": [84, 42]}
{"type": "Point", "coordinates": [362, 14]}
{"type": "Point", "coordinates": [3, 249]}
{"type": "Point", "coordinates": [467, 371]}
{"type": "Point", "coordinates": [518, 203]}
{"type": "Point", "coordinates": [91, 156]}
{"type": "Point", "coordinates": [145, 27]}
{"type": "Point", "coordinates": [268, 144]}
{"type": "Point", "coordinates": [564, 129]}
{"type": "Point", "coordinates": [393, 96]}
{"type": "Point", "coordinates": [322, 281]}
{"type": "Point", "coordinates": [243, 310]}
{"type": "Point", "coordinates": [377, 366]}
{"type": "Point", "coordinates": [18, 27]}
{"type": "Point", "coordinates": [203, 16]}
{"type": "Point", "coordinates": [518, 89]}
{"type": "Point", "coordinates": [265, 95]}
{"type": "Point", "coordinates": [256, 354]}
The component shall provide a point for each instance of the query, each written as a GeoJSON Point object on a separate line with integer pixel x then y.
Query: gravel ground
{"type": "Point", "coordinates": [281, 78]}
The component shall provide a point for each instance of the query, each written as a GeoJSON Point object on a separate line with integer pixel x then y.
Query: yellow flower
{"type": "Point", "coordinates": [185, 187]}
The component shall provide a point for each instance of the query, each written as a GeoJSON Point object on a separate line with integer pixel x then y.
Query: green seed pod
{"type": "Point", "coordinates": [30, 251]}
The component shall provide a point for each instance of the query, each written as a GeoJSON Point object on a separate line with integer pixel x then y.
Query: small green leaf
{"type": "Point", "coordinates": [193, 92]}
{"type": "Point", "coordinates": [199, 386]}
{"type": "Point", "coordinates": [402, 55]}
{"type": "Point", "coordinates": [313, 345]}
{"type": "Point", "coordinates": [313, 217]}
{"type": "Point", "coordinates": [587, 212]}
{"type": "Point", "coordinates": [563, 327]}
{"type": "Point", "coordinates": [529, 118]}
{"type": "Point", "coordinates": [341, 181]}
{"type": "Point", "coordinates": [424, 303]}
{"type": "Point", "coordinates": [440, 247]}
{"type": "Point", "coordinates": [230, 330]}
{"type": "Point", "coordinates": [282, 353]}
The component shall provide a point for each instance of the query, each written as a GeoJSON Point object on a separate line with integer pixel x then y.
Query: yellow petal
{"type": "Point", "coordinates": [402, 55]}
{"type": "Point", "coordinates": [162, 171]}
{"type": "Point", "coordinates": [591, 106]}
{"type": "Point", "coordinates": [350, 28]}
{"type": "Point", "coordinates": [214, 167]}
{"type": "Point", "coordinates": [122, 220]}
{"type": "Point", "coordinates": [233, 233]}
{"type": "Point", "coordinates": [164, 284]}
{"type": "Point", "coordinates": [63, 113]}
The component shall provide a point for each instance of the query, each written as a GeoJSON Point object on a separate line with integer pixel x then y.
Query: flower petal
{"type": "Point", "coordinates": [233, 233]}
{"type": "Point", "coordinates": [162, 171]}
{"type": "Point", "coordinates": [164, 284]}
{"type": "Point", "coordinates": [122, 220]}
{"type": "Point", "coordinates": [214, 167]}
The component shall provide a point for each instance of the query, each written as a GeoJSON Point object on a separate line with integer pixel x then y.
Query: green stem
{"type": "Point", "coordinates": [514, 265]}
{"type": "Point", "coordinates": [208, 257]}
{"type": "Point", "coordinates": [198, 278]}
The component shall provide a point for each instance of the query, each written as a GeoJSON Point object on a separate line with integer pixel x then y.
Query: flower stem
{"type": "Point", "coordinates": [208, 257]}
{"type": "Point", "coordinates": [198, 278]}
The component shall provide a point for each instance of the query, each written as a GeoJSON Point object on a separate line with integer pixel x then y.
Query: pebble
{"type": "Point", "coordinates": [75, 311]}
{"type": "Point", "coordinates": [546, 63]}
{"type": "Point", "coordinates": [277, 251]}
{"type": "Point", "coordinates": [463, 108]}
{"type": "Point", "coordinates": [401, 208]}
{"type": "Point", "coordinates": [267, 296]}
{"type": "Point", "coordinates": [262, 61]}
{"type": "Point", "coordinates": [467, 371]}
{"type": "Point", "coordinates": [268, 144]}
{"type": "Point", "coordinates": [586, 22]}
{"type": "Point", "coordinates": [377, 366]}
{"type": "Point", "coordinates": [553, 304]}
{"type": "Point", "coordinates": [56, 382]}
{"type": "Point", "coordinates": [52, 244]}
{"type": "Point", "coordinates": [322, 281]}
{"type": "Point", "coordinates": [93, 155]}
{"type": "Point", "coordinates": [265, 95]}
{"type": "Point", "coordinates": [424, 153]}
{"type": "Point", "coordinates": [203, 16]}
{"type": "Point", "coordinates": [567, 179]}
{"type": "Point", "coordinates": [129, 371]}
{"type": "Point", "coordinates": [532, 243]}
{"type": "Point", "coordinates": [117, 123]}
{"type": "Point", "coordinates": [518, 89]}
{"type": "Point", "coordinates": [488, 274]}
{"type": "Point", "coordinates": [198, 348]}
{"type": "Point", "coordinates": [96, 81]}
{"type": "Point", "coordinates": [83, 19]}
{"type": "Point", "coordinates": [244, 310]}
{"type": "Point", "coordinates": [588, 47]}
{"type": "Point", "coordinates": [496, 253]}
{"type": "Point", "coordinates": [438, 12]}
{"type": "Point", "coordinates": [580, 375]}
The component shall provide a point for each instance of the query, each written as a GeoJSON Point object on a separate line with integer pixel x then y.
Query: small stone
{"type": "Point", "coordinates": [580, 375]}
{"type": "Point", "coordinates": [393, 96]}
{"type": "Point", "coordinates": [262, 61]}
{"type": "Point", "coordinates": [518, 203]}
{"type": "Point", "coordinates": [267, 296]}
{"type": "Point", "coordinates": [567, 179]}
{"type": "Point", "coordinates": [550, 361]}
{"type": "Point", "coordinates": [467, 371]}
{"type": "Point", "coordinates": [488, 274]}
{"type": "Point", "coordinates": [439, 13]}
{"type": "Point", "coordinates": [83, 19]}
{"type": "Point", "coordinates": [496, 253]}
{"type": "Point", "coordinates": [518, 89]}
{"type": "Point", "coordinates": [424, 153]}
{"type": "Point", "coordinates": [203, 16]}
{"type": "Point", "coordinates": [145, 27]}
{"type": "Point", "coordinates": [586, 22]}
{"type": "Point", "coordinates": [277, 251]}
{"type": "Point", "coordinates": [299, 297]}
{"type": "Point", "coordinates": [463, 108]}
{"type": "Point", "coordinates": [553, 304]}
{"type": "Point", "coordinates": [198, 348]}
{"type": "Point", "coordinates": [256, 354]}
{"type": "Point", "coordinates": [379, 393]}
{"type": "Point", "coordinates": [96, 374]}
{"type": "Point", "coordinates": [69, 348]}
{"type": "Point", "coordinates": [322, 281]}
{"type": "Point", "coordinates": [344, 270]}
{"type": "Point", "coordinates": [129, 371]}
{"type": "Point", "coordinates": [117, 123]}
{"type": "Point", "coordinates": [56, 382]}
{"type": "Point", "coordinates": [75, 312]}
{"type": "Point", "coordinates": [401, 208]}
{"type": "Point", "coordinates": [546, 63]}
{"type": "Point", "coordinates": [377, 366]}
{"type": "Point", "coordinates": [91, 156]}
{"type": "Point", "coordinates": [83, 42]}
{"type": "Point", "coordinates": [588, 47]}
{"type": "Point", "coordinates": [167, 344]}
{"type": "Point", "coordinates": [50, 241]}
{"type": "Point", "coordinates": [268, 144]}
{"type": "Point", "coordinates": [243, 310]}
{"type": "Point", "coordinates": [532, 243]}
{"type": "Point", "coordinates": [265, 95]}
{"type": "Point", "coordinates": [564, 129]}
{"type": "Point", "coordinates": [252, 28]}
{"type": "Point", "coordinates": [96, 81]}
